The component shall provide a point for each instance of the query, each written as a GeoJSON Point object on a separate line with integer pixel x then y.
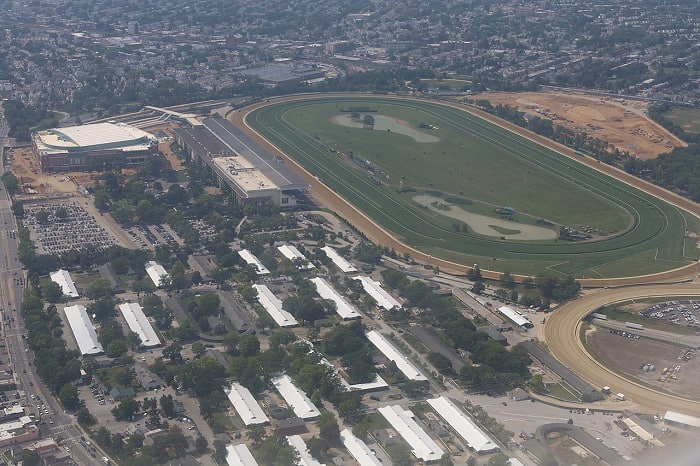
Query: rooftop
{"type": "Point", "coordinates": [156, 272]}
{"type": "Point", "coordinates": [82, 329]}
{"type": "Point", "coordinates": [402, 362]}
{"type": "Point", "coordinates": [463, 425]}
{"type": "Point", "coordinates": [139, 324]}
{"type": "Point", "coordinates": [117, 135]}
{"type": "Point", "coordinates": [292, 253]}
{"type": "Point", "coordinates": [422, 446]}
{"type": "Point", "coordinates": [305, 458]}
{"type": "Point", "coordinates": [339, 260]}
{"type": "Point", "coordinates": [358, 449]}
{"type": "Point", "coordinates": [246, 406]}
{"type": "Point", "coordinates": [343, 308]}
{"type": "Point", "coordinates": [380, 295]}
{"type": "Point", "coordinates": [295, 398]}
{"type": "Point", "coordinates": [64, 280]}
{"type": "Point", "coordinates": [250, 259]}
{"type": "Point", "coordinates": [273, 306]}
{"type": "Point", "coordinates": [239, 455]}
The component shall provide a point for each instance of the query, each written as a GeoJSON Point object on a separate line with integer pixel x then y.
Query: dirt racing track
{"type": "Point", "coordinates": [378, 234]}
{"type": "Point", "coordinates": [562, 335]}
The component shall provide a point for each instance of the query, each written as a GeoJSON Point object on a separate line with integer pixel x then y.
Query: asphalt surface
{"type": "Point", "coordinates": [561, 334]}
{"type": "Point", "coordinates": [19, 355]}
{"type": "Point", "coordinates": [381, 236]}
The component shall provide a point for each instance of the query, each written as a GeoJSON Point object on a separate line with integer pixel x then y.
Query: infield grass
{"type": "Point", "coordinates": [478, 166]}
{"type": "Point", "coordinates": [686, 118]}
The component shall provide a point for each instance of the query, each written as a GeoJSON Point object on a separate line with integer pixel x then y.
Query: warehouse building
{"type": "Point", "coordinates": [64, 280]}
{"type": "Point", "coordinates": [239, 455]}
{"type": "Point", "coordinates": [515, 317]}
{"type": "Point", "coordinates": [422, 446]}
{"type": "Point", "coordinates": [245, 405]}
{"type": "Point", "coordinates": [83, 330]}
{"type": "Point", "coordinates": [472, 434]}
{"type": "Point", "coordinates": [358, 449]}
{"type": "Point", "coordinates": [273, 306]}
{"type": "Point", "coordinates": [402, 362]}
{"type": "Point", "coordinates": [674, 418]}
{"type": "Point", "coordinates": [139, 324]}
{"type": "Point", "coordinates": [380, 295]}
{"type": "Point", "coordinates": [338, 260]}
{"type": "Point", "coordinates": [92, 146]}
{"type": "Point", "coordinates": [344, 309]}
{"type": "Point", "coordinates": [295, 398]}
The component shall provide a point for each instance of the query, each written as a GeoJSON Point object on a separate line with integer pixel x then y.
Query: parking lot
{"type": "Point", "coordinates": [675, 312]}
{"type": "Point", "coordinates": [148, 237]}
{"type": "Point", "coordinates": [59, 227]}
{"type": "Point", "coordinates": [660, 364]}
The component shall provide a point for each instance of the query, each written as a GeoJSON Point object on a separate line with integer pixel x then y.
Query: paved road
{"type": "Point", "coordinates": [670, 337]}
{"type": "Point", "coordinates": [562, 330]}
{"type": "Point", "coordinates": [381, 236]}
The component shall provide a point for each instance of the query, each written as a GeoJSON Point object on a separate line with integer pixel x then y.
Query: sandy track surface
{"type": "Point", "coordinates": [377, 234]}
{"type": "Point", "coordinates": [562, 330]}
{"type": "Point", "coordinates": [621, 123]}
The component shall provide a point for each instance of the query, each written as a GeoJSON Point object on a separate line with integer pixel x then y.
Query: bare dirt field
{"type": "Point", "coordinates": [622, 123]}
{"type": "Point", "coordinates": [629, 354]}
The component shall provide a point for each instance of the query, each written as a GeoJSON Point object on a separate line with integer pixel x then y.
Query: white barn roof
{"type": "Point", "coordinates": [239, 455]}
{"type": "Point", "coordinates": [463, 425]}
{"type": "Point", "coordinates": [342, 307]}
{"type": "Point", "coordinates": [156, 272]}
{"type": "Point", "coordinates": [139, 324]}
{"type": "Point", "coordinates": [82, 329]}
{"type": "Point", "coordinates": [273, 306]}
{"type": "Point", "coordinates": [422, 446]}
{"type": "Point", "coordinates": [402, 362]}
{"type": "Point", "coordinates": [247, 408]}
{"type": "Point", "coordinates": [62, 277]}
{"type": "Point", "coordinates": [305, 458]}
{"type": "Point", "coordinates": [295, 398]}
{"type": "Point", "coordinates": [250, 259]}
{"type": "Point", "coordinates": [380, 295]}
{"type": "Point", "coordinates": [515, 462]}
{"type": "Point", "coordinates": [515, 316]}
{"type": "Point", "coordinates": [377, 384]}
{"type": "Point", "coordinates": [680, 418]}
{"type": "Point", "coordinates": [358, 449]}
{"type": "Point", "coordinates": [291, 253]}
{"type": "Point", "coordinates": [339, 260]}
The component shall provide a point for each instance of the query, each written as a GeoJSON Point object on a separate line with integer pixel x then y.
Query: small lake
{"type": "Point", "coordinates": [482, 224]}
{"type": "Point", "coordinates": [383, 123]}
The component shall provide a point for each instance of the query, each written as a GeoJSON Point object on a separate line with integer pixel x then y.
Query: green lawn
{"type": "Point", "coordinates": [686, 118]}
{"type": "Point", "coordinates": [477, 166]}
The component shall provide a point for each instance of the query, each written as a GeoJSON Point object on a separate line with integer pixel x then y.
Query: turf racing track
{"type": "Point", "coordinates": [366, 206]}
{"type": "Point", "coordinates": [562, 335]}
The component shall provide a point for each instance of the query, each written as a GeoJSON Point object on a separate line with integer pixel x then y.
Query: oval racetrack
{"type": "Point", "coordinates": [562, 335]}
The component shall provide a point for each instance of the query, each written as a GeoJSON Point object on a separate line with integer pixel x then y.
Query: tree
{"type": "Point", "coordinates": [30, 458]}
{"type": "Point", "coordinates": [100, 288]}
{"type": "Point", "coordinates": [167, 405]}
{"type": "Point", "coordinates": [173, 352]}
{"type": "Point", "coordinates": [249, 345]}
{"type": "Point", "coordinates": [478, 287]}
{"type": "Point", "coordinates": [440, 362]}
{"type": "Point", "coordinates": [328, 428]}
{"type": "Point", "coordinates": [196, 278]}
{"type": "Point", "coordinates": [199, 349]}
{"type": "Point", "coordinates": [126, 409]}
{"type": "Point", "coordinates": [52, 291]}
{"type": "Point", "coordinates": [85, 418]}
{"type": "Point", "coordinates": [400, 454]}
{"type": "Point", "coordinates": [507, 280]}
{"type": "Point", "coordinates": [499, 459]}
{"type": "Point", "coordinates": [536, 384]}
{"type": "Point", "coordinates": [445, 460]}
{"type": "Point", "coordinates": [69, 396]}
{"type": "Point", "coordinates": [474, 273]}
{"type": "Point", "coordinates": [200, 444]}
{"type": "Point", "coordinates": [256, 434]}
{"type": "Point", "coordinates": [208, 303]}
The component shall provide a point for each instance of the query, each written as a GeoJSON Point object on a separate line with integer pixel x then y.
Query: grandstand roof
{"type": "Point", "coordinates": [239, 455]}
{"type": "Point", "coordinates": [156, 272]}
{"type": "Point", "coordinates": [402, 362]}
{"type": "Point", "coordinates": [339, 260]}
{"type": "Point", "coordinates": [342, 307]}
{"type": "Point", "coordinates": [422, 446]}
{"type": "Point", "coordinates": [82, 329]}
{"type": "Point", "coordinates": [514, 316]}
{"type": "Point", "coordinates": [463, 425]}
{"type": "Point", "coordinates": [273, 306]}
{"type": "Point", "coordinates": [299, 402]}
{"type": "Point", "coordinates": [247, 408]}
{"type": "Point", "coordinates": [94, 136]}
{"type": "Point", "coordinates": [358, 449]}
{"type": "Point", "coordinates": [274, 169]}
{"type": "Point", "coordinates": [305, 458]}
{"type": "Point", "coordinates": [380, 295]}
{"type": "Point", "coordinates": [250, 259]}
{"type": "Point", "coordinates": [139, 324]}
{"type": "Point", "coordinates": [64, 280]}
{"type": "Point", "coordinates": [291, 253]}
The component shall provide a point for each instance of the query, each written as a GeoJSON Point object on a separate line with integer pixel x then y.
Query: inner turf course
{"type": "Point", "coordinates": [654, 242]}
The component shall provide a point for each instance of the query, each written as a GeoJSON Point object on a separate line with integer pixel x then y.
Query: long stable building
{"type": "Point", "coordinates": [273, 306]}
{"type": "Point", "coordinates": [254, 175]}
{"type": "Point", "coordinates": [402, 362]}
{"type": "Point", "coordinates": [422, 446]}
{"type": "Point", "coordinates": [91, 146]}
{"type": "Point", "coordinates": [83, 330]}
{"type": "Point", "coordinates": [295, 398]}
{"type": "Point", "coordinates": [245, 405]}
{"type": "Point", "coordinates": [139, 324]}
{"type": "Point", "coordinates": [471, 433]}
